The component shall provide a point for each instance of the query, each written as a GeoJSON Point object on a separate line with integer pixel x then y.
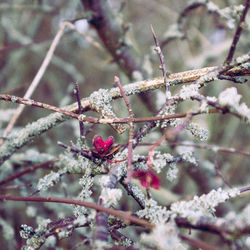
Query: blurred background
{"type": "Point", "coordinates": [27, 29]}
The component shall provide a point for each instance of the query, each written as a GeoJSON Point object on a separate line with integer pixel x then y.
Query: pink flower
{"type": "Point", "coordinates": [147, 178]}
{"type": "Point", "coordinates": [102, 147]}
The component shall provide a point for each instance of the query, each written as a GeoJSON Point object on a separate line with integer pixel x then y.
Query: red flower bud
{"type": "Point", "coordinates": [101, 146]}
{"type": "Point", "coordinates": [147, 178]}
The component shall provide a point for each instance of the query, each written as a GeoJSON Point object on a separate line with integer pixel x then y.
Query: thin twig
{"type": "Point", "coordinates": [162, 60]}
{"type": "Point", "coordinates": [125, 216]}
{"type": "Point", "coordinates": [214, 148]}
{"type": "Point", "coordinates": [80, 111]}
{"type": "Point", "coordinates": [28, 170]}
{"type": "Point", "coordinates": [36, 79]}
{"type": "Point", "coordinates": [219, 173]}
{"type": "Point", "coordinates": [170, 134]}
{"type": "Point", "coordinates": [131, 130]}
{"type": "Point", "coordinates": [198, 244]}
{"type": "Point", "coordinates": [93, 120]}
{"type": "Point", "coordinates": [76, 150]}
{"type": "Point", "coordinates": [245, 189]}
{"type": "Point", "coordinates": [238, 32]}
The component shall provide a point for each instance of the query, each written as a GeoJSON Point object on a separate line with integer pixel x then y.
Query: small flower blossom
{"type": "Point", "coordinates": [102, 146]}
{"type": "Point", "coordinates": [147, 178]}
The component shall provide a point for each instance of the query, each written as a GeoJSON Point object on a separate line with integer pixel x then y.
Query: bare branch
{"type": "Point", "coordinates": [80, 111]}
{"type": "Point", "coordinates": [237, 34]}
{"type": "Point", "coordinates": [131, 130]}
{"type": "Point", "coordinates": [117, 213]}
{"type": "Point", "coordinates": [162, 60]}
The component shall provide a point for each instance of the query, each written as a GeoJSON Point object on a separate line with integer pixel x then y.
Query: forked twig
{"type": "Point", "coordinates": [131, 130]}
{"type": "Point", "coordinates": [170, 134]}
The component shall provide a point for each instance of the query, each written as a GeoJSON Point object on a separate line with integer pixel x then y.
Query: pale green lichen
{"type": "Point", "coordinates": [160, 160]}
{"type": "Point", "coordinates": [172, 172]}
{"type": "Point", "coordinates": [50, 180]}
{"type": "Point", "coordinates": [203, 205]}
{"type": "Point", "coordinates": [18, 139]}
{"type": "Point", "coordinates": [26, 231]}
{"type": "Point", "coordinates": [189, 91]}
{"type": "Point", "coordinates": [231, 14]}
{"type": "Point", "coordinates": [86, 182]}
{"type": "Point", "coordinates": [34, 237]}
{"type": "Point", "coordinates": [138, 193]}
{"type": "Point", "coordinates": [169, 110]}
{"type": "Point", "coordinates": [79, 165]}
{"type": "Point", "coordinates": [153, 212]}
{"type": "Point", "coordinates": [110, 196]}
{"type": "Point", "coordinates": [211, 98]}
{"type": "Point", "coordinates": [204, 108]}
{"type": "Point", "coordinates": [32, 156]}
{"type": "Point", "coordinates": [231, 99]}
{"type": "Point", "coordinates": [163, 236]}
{"type": "Point", "coordinates": [187, 154]}
{"type": "Point", "coordinates": [197, 131]}
{"type": "Point", "coordinates": [80, 221]}
{"type": "Point", "coordinates": [33, 243]}
{"type": "Point", "coordinates": [242, 59]}
{"type": "Point", "coordinates": [101, 102]}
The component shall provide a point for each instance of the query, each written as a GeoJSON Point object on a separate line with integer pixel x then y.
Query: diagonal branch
{"type": "Point", "coordinates": [238, 32]}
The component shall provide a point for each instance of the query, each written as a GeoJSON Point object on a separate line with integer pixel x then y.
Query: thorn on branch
{"type": "Point", "coordinates": [162, 60]}
{"type": "Point", "coordinates": [80, 110]}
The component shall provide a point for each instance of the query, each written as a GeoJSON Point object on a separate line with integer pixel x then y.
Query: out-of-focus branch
{"type": "Point", "coordinates": [28, 170]}
{"type": "Point", "coordinates": [112, 34]}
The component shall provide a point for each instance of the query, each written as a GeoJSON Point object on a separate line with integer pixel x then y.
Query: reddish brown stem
{"type": "Point", "coordinates": [26, 171]}
{"type": "Point", "coordinates": [125, 216]}
{"type": "Point", "coordinates": [131, 130]}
